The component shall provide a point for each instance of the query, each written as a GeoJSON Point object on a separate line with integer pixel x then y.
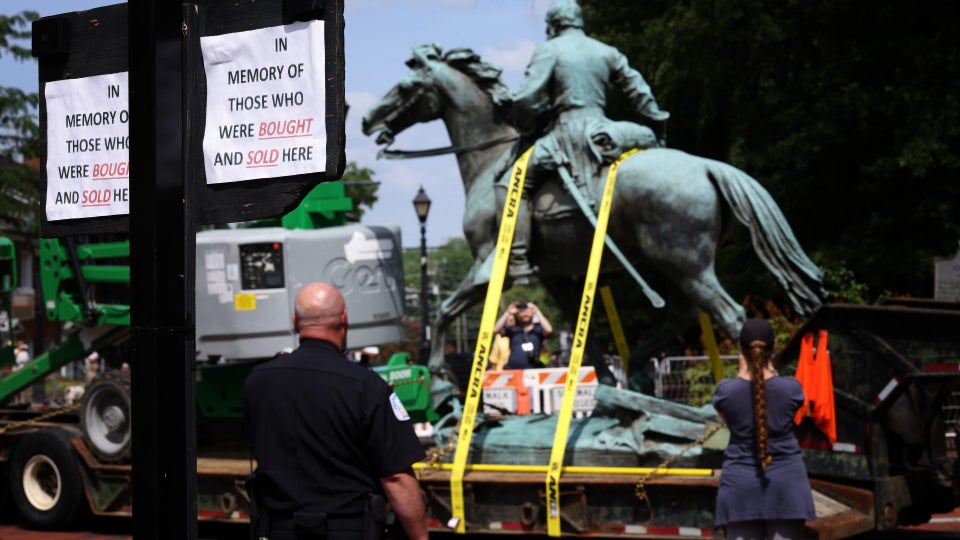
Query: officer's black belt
{"type": "Point", "coordinates": [336, 522]}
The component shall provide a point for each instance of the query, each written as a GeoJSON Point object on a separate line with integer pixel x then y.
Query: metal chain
{"type": "Point", "coordinates": [41, 418]}
{"type": "Point", "coordinates": [435, 455]}
{"type": "Point", "coordinates": [640, 491]}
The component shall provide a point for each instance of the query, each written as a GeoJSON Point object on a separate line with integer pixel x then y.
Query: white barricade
{"type": "Point", "coordinates": [504, 392]}
{"type": "Point", "coordinates": [547, 386]}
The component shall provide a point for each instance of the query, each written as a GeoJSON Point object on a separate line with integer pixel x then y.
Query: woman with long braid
{"type": "Point", "coordinates": [764, 491]}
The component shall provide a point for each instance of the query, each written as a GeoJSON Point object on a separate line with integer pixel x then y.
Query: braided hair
{"type": "Point", "coordinates": [756, 343]}
{"type": "Point", "coordinates": [758, 356]}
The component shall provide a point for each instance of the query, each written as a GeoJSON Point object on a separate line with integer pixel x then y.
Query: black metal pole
{"type": "Point", "coordinates": [162, 269]}
{"type": "Point", "coordinates": [425, 316]}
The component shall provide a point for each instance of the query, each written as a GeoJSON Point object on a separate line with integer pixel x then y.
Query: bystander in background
{"type": "Point", "coordinates": [526, 336]}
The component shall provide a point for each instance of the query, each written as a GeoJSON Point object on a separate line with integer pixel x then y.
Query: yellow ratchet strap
{"type": "Point", "coordinates": [491, 307]}
{"type": "Point", "coordinates": [613, 317]}
{"type": "Point", "coordinates": [706, 328]}
{"type": "Point", "coordinates": [576, 354]}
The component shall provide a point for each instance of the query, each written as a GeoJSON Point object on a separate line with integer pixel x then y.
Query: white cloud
{"type": "Point", "coordinates": [513, 56]}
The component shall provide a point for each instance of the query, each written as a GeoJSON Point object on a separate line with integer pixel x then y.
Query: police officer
{"type": "Point", "coordinates": [329, 436]}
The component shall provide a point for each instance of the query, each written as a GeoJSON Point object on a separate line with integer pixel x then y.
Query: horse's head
{"type": "Point", "coordinates": [459, 86]}
{"type": "Point", "coordinates": [414, 99]}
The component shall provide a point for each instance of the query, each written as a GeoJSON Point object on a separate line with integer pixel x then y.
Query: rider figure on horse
{"type": "Point", "coordinates": [563, 97]}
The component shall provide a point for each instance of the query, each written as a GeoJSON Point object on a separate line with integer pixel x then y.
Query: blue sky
{"type": "Point", "coordinates": [379, 35]}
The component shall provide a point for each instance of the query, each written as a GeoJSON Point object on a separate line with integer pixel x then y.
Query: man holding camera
{"type": "Point", "coordinates": [526, 336]}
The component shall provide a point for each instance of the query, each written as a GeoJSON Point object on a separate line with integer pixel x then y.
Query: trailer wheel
{"type": "Point", "coordinates": [44, 480]}
{"type": "Point", "coordinates": [105, 416]}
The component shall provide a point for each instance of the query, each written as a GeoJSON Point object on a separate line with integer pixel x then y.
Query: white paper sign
{"type": "Point", "coordinates": [265, 103]}
{"type": "Point", "coordinates": [88, 136]}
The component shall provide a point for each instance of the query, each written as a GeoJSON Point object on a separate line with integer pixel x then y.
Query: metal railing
{"type": "Point", "coordinates": [685, 379]}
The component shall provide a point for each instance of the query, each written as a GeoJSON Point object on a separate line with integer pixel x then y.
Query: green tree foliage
{"type": "Point", "coordinates": [14, 32]}
{"type": "Point", "coordinates": [19, 135]}
{"type": "Point", "coordinates": [360, 186]}
{"type": "Point", "coordinates": [19, 198]}
{"type": "Point", "coordinates": [18, 123]}
{"type": "Point", "coordinates": [848, 113]}
{"type": "Point", "coordinates": [446, 267]}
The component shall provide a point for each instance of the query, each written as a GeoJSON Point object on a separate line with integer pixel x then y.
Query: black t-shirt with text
{"type": "Point", "coordinates": [524, 346]}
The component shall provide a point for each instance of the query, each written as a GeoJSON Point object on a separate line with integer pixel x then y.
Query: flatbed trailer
{"type": "Point", "coordinates": [596, 502]}
{"type": "Point", "coordinates": [896, 377]}
{"type": "Point", "coordinates": [605, 504]}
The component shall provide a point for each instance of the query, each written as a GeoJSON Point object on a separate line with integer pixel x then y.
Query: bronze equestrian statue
{"type": "Point", "coordinates": [667, 217]}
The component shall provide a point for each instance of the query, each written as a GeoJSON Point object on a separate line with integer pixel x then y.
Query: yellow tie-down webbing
{"type": "Point", "coordinates": [491, 308]}
{"type": "Point", "coordinates": [576, 353]}
{"type": "Point", "coordinates": [619, 338]}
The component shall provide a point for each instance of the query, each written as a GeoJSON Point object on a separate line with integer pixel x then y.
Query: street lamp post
{"type": "Point", "coordinates": [421, 203]}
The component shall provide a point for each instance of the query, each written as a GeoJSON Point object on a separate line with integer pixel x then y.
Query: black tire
{"type": "Point", "coordinates": [6, 498]}
{"type": "Point", "coordinates": [913, 515]}
{"type": "Point", "coordinates": [44, 480]}
{"type": "Point", "coordinates": [105, 418]}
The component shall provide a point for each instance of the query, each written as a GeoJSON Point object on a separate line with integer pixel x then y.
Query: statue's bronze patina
{"type": "Point", "coordinates": [564, 96]}
{"type": "Point", "coordinates": [667, 213]}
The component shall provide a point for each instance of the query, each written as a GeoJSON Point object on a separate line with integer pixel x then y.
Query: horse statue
{"type": "Point", "coordinates": [669, 211]}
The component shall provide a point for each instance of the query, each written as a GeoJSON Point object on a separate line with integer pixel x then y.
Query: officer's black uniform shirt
{"type": "Point", "coordinates": [324, 431]}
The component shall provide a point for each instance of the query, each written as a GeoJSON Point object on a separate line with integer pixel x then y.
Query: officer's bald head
{"type": "Point", "coordinates": [320, 313]}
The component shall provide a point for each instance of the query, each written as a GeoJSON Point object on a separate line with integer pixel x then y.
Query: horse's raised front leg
{"type": "Point", "coordinates": [469, 293]}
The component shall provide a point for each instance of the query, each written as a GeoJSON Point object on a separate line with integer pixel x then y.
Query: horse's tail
{"type": "Point", "coordinates": [772, 237]}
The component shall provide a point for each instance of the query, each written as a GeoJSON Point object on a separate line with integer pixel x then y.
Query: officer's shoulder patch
{"type": "Point", "coordinates": [398, 410]}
